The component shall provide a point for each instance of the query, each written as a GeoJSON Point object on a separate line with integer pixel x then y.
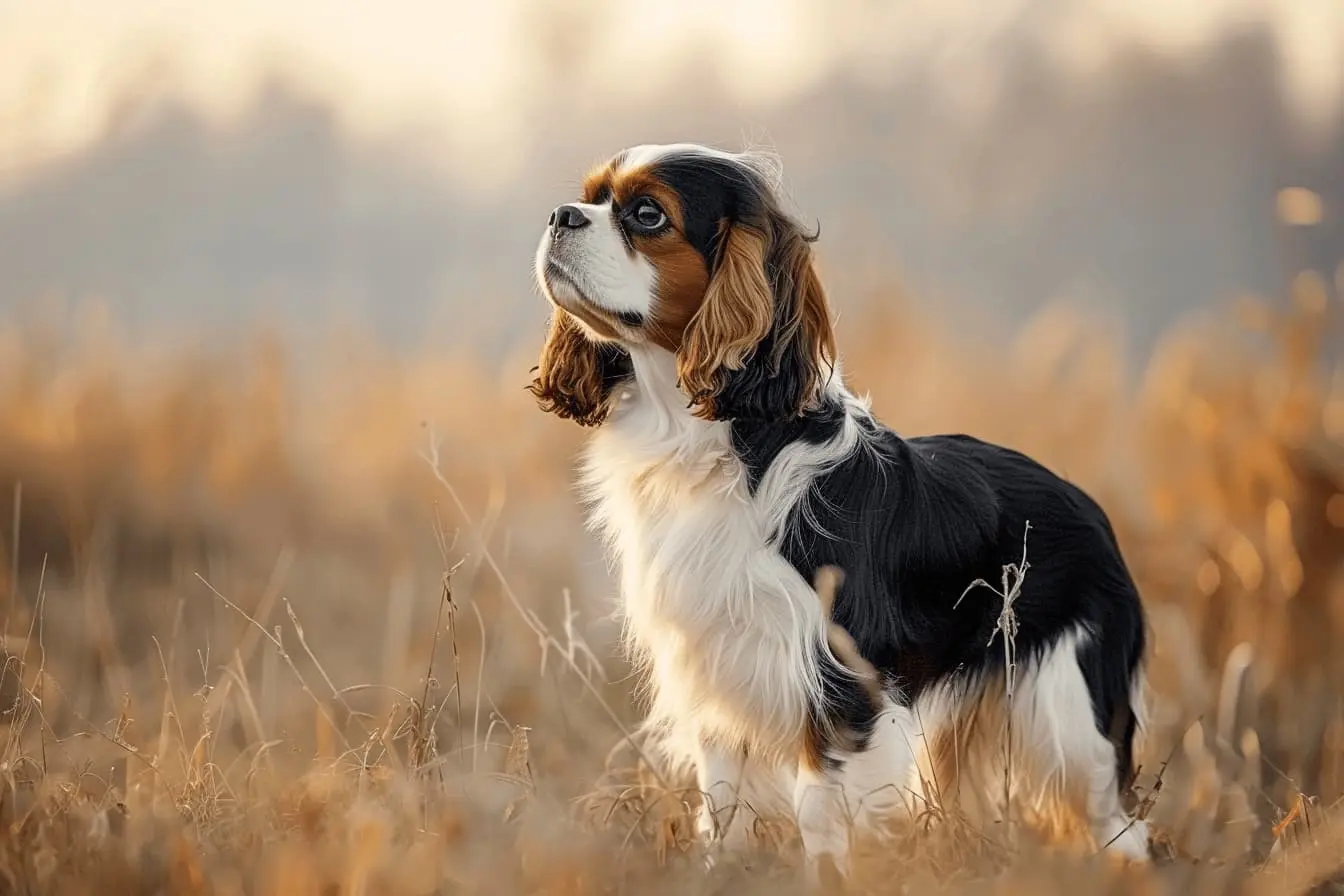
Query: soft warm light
{"type": "Point", "coordinates": [1299, 207]}
{"type": "Point", "coordinates": [1334, 511]}
{"type": "Point", "coordinates": [472, 70]}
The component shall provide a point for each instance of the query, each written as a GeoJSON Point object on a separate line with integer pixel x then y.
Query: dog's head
{"type": "Point", "coordinates": [688, 249]}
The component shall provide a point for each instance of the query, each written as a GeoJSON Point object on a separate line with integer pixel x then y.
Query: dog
{"type": "Point", "coordinates": [729, 464]}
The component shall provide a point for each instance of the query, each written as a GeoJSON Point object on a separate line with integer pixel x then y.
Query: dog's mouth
{"type": "Point", "coordinates": [560, 280]}
{"type": "Point", "coordinates": [565, 289]}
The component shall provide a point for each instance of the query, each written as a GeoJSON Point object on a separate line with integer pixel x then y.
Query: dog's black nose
{"type": "Point", "coordinates": [567, 217]}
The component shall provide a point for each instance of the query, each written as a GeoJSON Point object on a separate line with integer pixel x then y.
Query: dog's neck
{"type": "Point", "coordinates": [655, 380]}
{"type": "Point", "coordinates": [653, 424]}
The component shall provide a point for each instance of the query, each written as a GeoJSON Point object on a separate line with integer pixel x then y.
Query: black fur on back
{"type": "Point", "coordinates": [912, 522]}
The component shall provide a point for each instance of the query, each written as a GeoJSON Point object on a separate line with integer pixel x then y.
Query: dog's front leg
{"type": "Point", "coordinates": [720, 773]}
{"type": "Point", "coordinates": [819, 806]}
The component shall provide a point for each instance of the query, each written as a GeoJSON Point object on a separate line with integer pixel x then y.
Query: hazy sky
{"type": "Point", "coordinates": [465, 70]}
{"type": "Point", "coordinates": [996, 154]}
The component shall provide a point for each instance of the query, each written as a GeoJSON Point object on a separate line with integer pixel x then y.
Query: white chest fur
{"type": "Point", "coordinates": [724, 627]}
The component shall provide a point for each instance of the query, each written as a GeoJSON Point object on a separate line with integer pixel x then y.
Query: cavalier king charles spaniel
{"type": "Point", "coordinates": [730, 465]}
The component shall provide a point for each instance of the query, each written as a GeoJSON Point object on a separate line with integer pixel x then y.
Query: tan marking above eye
{"type": "Point", "coordinates": [667, 200]}
{"type": "Point", "coordinates": [595, 183]}
{"type": "Point", "coordinates": [626, 186]}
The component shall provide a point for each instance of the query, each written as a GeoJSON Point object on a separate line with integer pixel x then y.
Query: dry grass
{"type": "Point", "coordinates": [333, 628]}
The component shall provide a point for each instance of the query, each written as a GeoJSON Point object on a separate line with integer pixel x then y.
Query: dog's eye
{"type": "Point", "coordinates": [647, 215]}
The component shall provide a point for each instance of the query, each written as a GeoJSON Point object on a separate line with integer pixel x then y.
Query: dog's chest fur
{"type": "Point", "coordinates": [723, 627]}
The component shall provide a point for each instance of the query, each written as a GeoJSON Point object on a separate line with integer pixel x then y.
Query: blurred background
{"type": "Point", "coordinates": [395, 161]}
{"type": "Point", "coordinates": [267, 312]}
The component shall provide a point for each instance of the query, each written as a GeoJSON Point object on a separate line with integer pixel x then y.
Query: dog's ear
{"type": "Point", "coordinates": [761, 344]}
{"type": "Point", "coordinates": [575, 375]}
{"type": "Point", "coordinates": [733, 318]}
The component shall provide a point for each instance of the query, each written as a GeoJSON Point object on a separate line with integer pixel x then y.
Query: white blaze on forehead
{"type": "Point", "coordinates": [763, 163]}
{"type": "Point", "coordinates": [651, 153]}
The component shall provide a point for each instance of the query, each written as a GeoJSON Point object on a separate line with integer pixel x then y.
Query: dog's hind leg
{"type": "Point", "coordinates": [1056, 713]}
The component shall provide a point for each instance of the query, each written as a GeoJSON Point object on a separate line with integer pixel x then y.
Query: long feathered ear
{"type": "Point", "coordinates": [733, 318]}
{"type": "Point", "coordinates": [761, 344]}
{"type": "Point", "coordinates": [576, 375]}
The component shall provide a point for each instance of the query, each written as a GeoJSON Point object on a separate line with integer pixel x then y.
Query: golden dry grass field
{"type": "Point", "coordinates": [335, 627]}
